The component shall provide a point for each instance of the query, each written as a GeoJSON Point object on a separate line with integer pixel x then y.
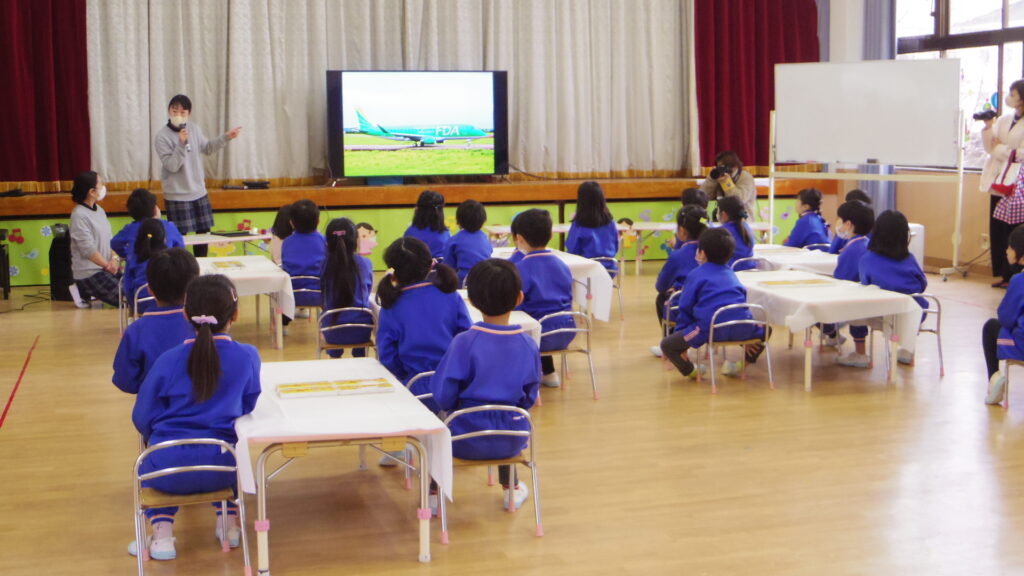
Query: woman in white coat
{"type": "Point", "coordinates": [1000, 137]}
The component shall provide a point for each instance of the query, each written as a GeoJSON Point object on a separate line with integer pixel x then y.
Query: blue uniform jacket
{"type": "Point", "coordinates": [156, 332]}
{"type": "Point", "coordinates": [302, 254]}
{"type": "Point", "coordinates": [1011, 318]}
{"type": "Point", "coordinates": [742, 250]}
{"type": "Point", "coordinates": [413, 335]}
{"type": "Point", "coordinates": [488, 364]}
{"type": "Point", "coordinates": [361, 299]}
{"type": "Point", "coordinates": [123, 243]}
{"type": "Point", "coordinates": [903, 276]}
{"type": "Point", "coordinates": [134, 277]}
{"type": "Point", "coordinates": [680, 263]}
{"type": "Point", "coordinates": [838, 242]}
{"type": "Point", "coordinates": [465, 250]}
{"type": "Point", "coordinates": [708, 288]}
{"type": "Point", "coordinates": [434, 240]}
{"type": "Point", "coordinates": [848, 264]}
{"type": "Point", "coordinates": [594, 242]}
{"type": "Point", "coordinates": [166, 410]}
{"type": "Point", "coordinates": [547, 288]}
{"type": "Point", "coordinates": [810, 228]}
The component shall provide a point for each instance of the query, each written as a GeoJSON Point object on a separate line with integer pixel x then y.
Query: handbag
{"type": "Point", "coordinates": [1010, 208]}
{"type": "Point", "coordinates": [1005, 183]}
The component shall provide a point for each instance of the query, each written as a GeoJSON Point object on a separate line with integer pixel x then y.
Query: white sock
{"type": "Point", "coordinates": [163, 530]}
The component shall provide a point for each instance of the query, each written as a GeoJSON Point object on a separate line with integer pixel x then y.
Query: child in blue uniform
{"type": "Point", "coordinates": [302, 253]}
{"type": "Point", "coordinates": [428, 223]}
{"type": "Point", "coordinates": [593, 232]}
{"type": "Point", "coordinates": [420, 312]}
{"type": "Point", "coordinates": [683, 260]}
{"type": "Point", "coordinates": [856, 220]}
{"type": "Point", "coordinates": [281, 229]}
{"type": "Point", "coordinates": [691, 198]}
{"type": "Point", "coordinates": [1002, 338]}
{"type": "Point", "coordinates": [547, 285]}
{"type": "Point", "coordinates": [838, 241]}
{"type": "Point", "coordinates": [888, 263]}
{"type": "Point", "coordinates": [711, 286]}
{"type": "Point", "coordinates": [468, 374]}
{"type": "Point", "coordinates": [141, 205]}
{"type": "Point", "coordinates": [197, 390]}
{"type": "Point", "coordinates": [148, 242]}
{"type": "Point", "coordinates": [517, 255]}
{"type": "Point", "coordinates": [346, 282]}
{"type": "Point", "coordinates": [162, 327]}
{"type": "Point", "coordinates": [733, 217]}
{"type": "Point", "coordinates": [470, 245]}
{"type": "Point", "coordinates": [811, 227]}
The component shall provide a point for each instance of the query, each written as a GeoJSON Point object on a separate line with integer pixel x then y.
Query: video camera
{"type": "Point", "coordinates": [719, 171]}
{"type": "Point", "coordinates": [985, 115]}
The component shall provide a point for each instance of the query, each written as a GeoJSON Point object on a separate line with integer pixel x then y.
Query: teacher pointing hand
{"type": "Point", "coordinates": [1001, 137]}
{"type": "Point", "coordinates": [178, 145]}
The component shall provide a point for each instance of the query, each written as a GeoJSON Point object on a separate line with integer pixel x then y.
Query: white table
{"type": "Point", "coordinates": [209, 238]}
{"type": "Point", "coordinates": [592, 283]}
{"type": "Point", "coordinates": [292, 426]}
{"type": "Point", "coordinates": [788, 258]}
{"type": "Point", "coordinates": [806, 299]}
{"type": "Point", "coordinates": [639, 229]}
{"type": "Point", "coordinates": [518, 317]}
{"type": "Point", "coordinates": [257, 275]}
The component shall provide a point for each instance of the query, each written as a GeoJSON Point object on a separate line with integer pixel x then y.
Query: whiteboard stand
{"type": "Point", "coordinates": [956, 178]}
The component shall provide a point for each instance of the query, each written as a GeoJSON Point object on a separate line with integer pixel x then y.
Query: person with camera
{"type": "Point", "coordinates": [1001, 137]}
{"type": "Point", "coordinates": [178, 145]}
{"type": "Point", "coordinates": [728, 178]}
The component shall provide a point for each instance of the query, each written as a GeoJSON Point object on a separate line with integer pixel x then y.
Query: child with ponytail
{"type": "Point", "coordinates": [428, 223]}
{"type": "Point", "coordinates": [420, 312]}
{"type": "Point", "coordinates": [345, 282]}
{"type": "Point", "coordinates": [150, 240]}
{"type": "Point", "coordinates": [197, 390]}
{"type": "Point", "coordinates": [732, 215]}
{"type": "Point", "coordinates": [811, 227]}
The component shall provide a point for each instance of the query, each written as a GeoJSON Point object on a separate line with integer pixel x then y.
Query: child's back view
{"type": "Point", "coordinates": [470, 245]}
{"type": "Point", "coordinates": [346, 282]}
{"type": "Point", "coordinates": [428, 223]}
{"type": "Point", "coordinates": [162, 327]}
{"type": "Point", "coordinates": [733, 218]}
{"type": "Point", "coordinates": [302, 253]}
{"type": "Point", "coordinates": [149, 241]}
{"type": "Point", "coordinates": [810, 228]}
{"type": "Point", "coordinates": [141, 205]}
{"type": "Point", "coordinates": [491, 363]}
{"type": "Point", "coordinates": [547, 284]}
{"type": "Point", "coordinates": [593, 232]}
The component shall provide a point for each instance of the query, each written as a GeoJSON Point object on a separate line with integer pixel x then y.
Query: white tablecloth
{"type": "Point", "coordinates": [259, 275]}
{"type": "Point", "coordinates": [518, 317]}
{"type": "Point", "coordinates": [583, 270]}
{"type": "Point", "coordinates": [787, 258]}
{"type": "Point", "coordinates": [395, 413]}
{"type": "Point", "coordinates": [208, 238]}
{"type": "Point", "coordinates": [799, 306]}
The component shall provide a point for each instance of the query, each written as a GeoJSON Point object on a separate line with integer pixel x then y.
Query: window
{"type": "Point", "coordinates": [988, 38]}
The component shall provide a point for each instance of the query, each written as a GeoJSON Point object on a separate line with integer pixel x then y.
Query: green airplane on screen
{"type": "Point", "coordinates": [422, 135]}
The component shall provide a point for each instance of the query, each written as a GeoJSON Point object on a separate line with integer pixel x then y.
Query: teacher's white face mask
{"type": "Point", "coordinates": [1012, 100]}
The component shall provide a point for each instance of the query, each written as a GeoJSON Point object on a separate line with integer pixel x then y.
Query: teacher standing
{"type": "Point", "coordinates": [730, 179]}
{"type": "Point", "coordinates": [1000, 137]}
{"type": "Point", "coordinates": [178, 145]}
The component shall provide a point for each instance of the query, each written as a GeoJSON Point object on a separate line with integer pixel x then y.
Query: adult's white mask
{"type": "Point", "coordinates": [177, 121]}
{"type": "Point", "coordinates": [1012, 100]}
{"type": "Point", "coordinates": [101, 193]}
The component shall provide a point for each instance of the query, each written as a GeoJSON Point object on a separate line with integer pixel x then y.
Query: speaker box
{"type": "Point", "coordinates": [60, 264]}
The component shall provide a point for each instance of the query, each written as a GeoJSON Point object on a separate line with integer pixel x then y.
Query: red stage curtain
{"type": "Point", "coordinates": [45, 90]}
{"type": "Point", "coordinates": [738, 43]}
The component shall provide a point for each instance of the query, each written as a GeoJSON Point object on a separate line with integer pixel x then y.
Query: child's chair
{"type": "Point", "coordinates": [934, 311]}
{"type": "Point", "coordinates": [1004, 367]}
{"type": "Point", "coordinates": [322, 343]}
{"type": "Point", "coordinates": [521, 458]}
{"type": "Point", "coordinates": [582, 327]}
{"type": "Point", "coordinates": [760, 264]}
{"type": "Point", "coordinates": [124, 316]}
{"type": "Point", "coordinates": [139, 299]}
{"type": "Point", "coordinates": [305, 295]}
{"type": "Point", "coordinates": [819, 246]}
{"type": "Point", "coordinates": [755, 311]}
{"type": "Point", "coordinates": [146, 498]}
{"type": "Point", "coordinates": [671, 305]}
{"type": "Point", "coordinates": [616, 279]}
{"type": "Point", "coordinates": [409, 461]}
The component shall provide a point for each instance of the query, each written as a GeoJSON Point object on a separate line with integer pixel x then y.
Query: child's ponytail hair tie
{"type": "Point", "coordinates": [339, 232]}
{"type": "Point", "coordinates": [204, 320]}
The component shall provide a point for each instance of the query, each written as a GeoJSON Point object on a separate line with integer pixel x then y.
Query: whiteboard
{"type": "Point", "coordinates": [903, 112]}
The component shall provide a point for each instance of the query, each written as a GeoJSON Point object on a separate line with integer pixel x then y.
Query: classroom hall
{"type": "Point", "coordinates": [819, 469]}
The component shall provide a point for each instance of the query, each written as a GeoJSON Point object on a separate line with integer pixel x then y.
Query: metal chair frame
{"type": "Point", "coordinates": [580, 317]}
{"type": "Point", "coordinates": [755, 310]}
{"type": "Point", "coordinates": [136, 300]}
{"type": "Point", "coordinates": [760, 264]}
{"type": "Point", "coordinates": [818, 246]}
{"type": "Point", "coordinates": [321, 341]}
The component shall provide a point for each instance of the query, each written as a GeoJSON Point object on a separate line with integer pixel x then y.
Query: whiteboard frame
{"type": "Point", "coordinates": [955, 178]}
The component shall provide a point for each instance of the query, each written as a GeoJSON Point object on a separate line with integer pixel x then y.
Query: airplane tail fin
{"type": "Point", "coordinates": [365, 125]}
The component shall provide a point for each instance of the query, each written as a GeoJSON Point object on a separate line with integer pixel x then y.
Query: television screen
{"type": "Point", "coordinates": [417, 123]}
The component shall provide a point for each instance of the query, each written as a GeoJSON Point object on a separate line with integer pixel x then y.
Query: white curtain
{"type": "Point", "coordinates": [597, 87]}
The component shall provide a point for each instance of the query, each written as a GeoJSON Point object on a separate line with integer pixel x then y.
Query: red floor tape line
{"type": "Point", "coordinates": [10, 400]}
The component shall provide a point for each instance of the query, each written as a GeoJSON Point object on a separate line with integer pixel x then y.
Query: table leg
{"type": "Point", "coordinates": [894, 346]}
{"type": "Point", "coordinates": [423, 513]}
{"type": "Point", "coordinates": [262, 523]}
{"type": "Point", "coordinates": [277, 326]}
{"type": "Point", "coordinates": [807, 359]}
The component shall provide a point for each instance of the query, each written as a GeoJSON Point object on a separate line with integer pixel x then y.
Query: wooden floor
{"type": "Point", "coordinates": [657, 477]}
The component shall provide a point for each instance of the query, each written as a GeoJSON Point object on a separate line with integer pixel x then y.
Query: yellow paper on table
{"type": "Point", "coordinates": [229, 265]}
{"type": "Point", "coordinates": [334, 388]}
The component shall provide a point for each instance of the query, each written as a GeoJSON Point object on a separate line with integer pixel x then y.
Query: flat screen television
{"type": "Point", "coordinates": [403, 123]}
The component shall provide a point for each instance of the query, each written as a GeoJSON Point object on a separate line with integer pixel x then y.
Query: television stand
{"type": "Point", "coordinates": [385, 181]}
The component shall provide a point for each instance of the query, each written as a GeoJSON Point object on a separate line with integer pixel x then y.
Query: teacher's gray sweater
{"type": "Point", "coordinates": [181, 170]}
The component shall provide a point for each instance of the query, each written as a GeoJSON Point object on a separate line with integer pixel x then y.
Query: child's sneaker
{"type": "Point", "coordinates": [161, 549]}
{"type": "Point", "coordinates": [656, 350]}
{"type": "Point", "coordinates": [302, 313]}
{"type": "Point", "coordinates": [697, 369]}
{"type": "Point", "coordinates": [854, 360]}
{"type": "Point", "coordinates": [905, 357]}
{"type": "Point", "coordinates": [551, 380]}
{"type": "Point", "coordinates": [834, 341]}
{"type": "Point", "coordinates": [234, 535]}
{"type": "Point", "coordinates": [521, 494]}
{"type": "Point", "coordinates": [732, 368]}
{"type": "Point", "coordinates": [996, 389]}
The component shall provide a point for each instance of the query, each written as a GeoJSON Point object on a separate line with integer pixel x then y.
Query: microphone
{"type": "Point", "coordinates": [188, 145]}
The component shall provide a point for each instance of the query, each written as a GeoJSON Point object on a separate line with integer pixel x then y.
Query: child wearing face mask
{"type": "Point", "coordinates": [838, 242]}
{"type": "Point", "coordinates": [94, 267]}
{"type": "Point", "coordinates": [856, 220]}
